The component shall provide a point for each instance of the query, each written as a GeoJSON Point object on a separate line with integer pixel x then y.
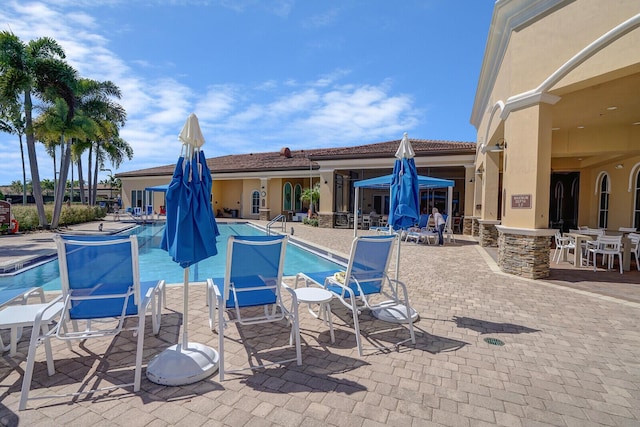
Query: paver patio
{"type": "Point", "coordinates": [571, 358]}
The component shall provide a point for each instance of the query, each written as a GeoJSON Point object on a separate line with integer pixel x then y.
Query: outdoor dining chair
{"type": "Point", "coordinates": [563, 245]}
{"type": "Point", "coordinates": [634, 238]}
{"type": "Point", "coordinates": [608, 247]}
{"type": "Point", "coordinates": [101, 288]}
{"type": "Point", "coordinates": [250, 291]}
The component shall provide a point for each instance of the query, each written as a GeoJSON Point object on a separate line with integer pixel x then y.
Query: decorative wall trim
{"type": "Point", "coordinates": [632, 175]}
{"type": "Point", "coordinates": [598, 178]}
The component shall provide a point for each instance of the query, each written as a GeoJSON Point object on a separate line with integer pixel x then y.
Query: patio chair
{"type": "Point", "coordinates": [634, 238]}
{"type": "Point", "coordinates": [563, 245]}
{"type": "Point", "coordinates": [365, 279]}
{"type": "Point", "coordinates": [608, 247]}
{"type": "Point", "coordinates": [250, 291]}
{"type": "Point", "coordinates": [419, 231]}
{"type": "Point", "coordinates": [424, 235]}
{"type": "Point", "coordinates": [100, 284]}
{"type": "Point", "coordinates": [448, 231]}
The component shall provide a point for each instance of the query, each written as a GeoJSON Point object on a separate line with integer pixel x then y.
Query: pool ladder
{"type": "Point", "coordinates": [280, 218]}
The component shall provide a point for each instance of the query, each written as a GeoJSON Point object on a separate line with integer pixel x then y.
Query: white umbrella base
{"type": "Point", "coordinates": [178, 366]}
{"type": "Point", "coordinates": [393, 313]}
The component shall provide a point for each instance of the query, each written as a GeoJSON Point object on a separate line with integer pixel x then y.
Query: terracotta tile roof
{"type": "Point", "coordinates": [422, 147]}
{"type": "Point", "coordinates": [299, 159]}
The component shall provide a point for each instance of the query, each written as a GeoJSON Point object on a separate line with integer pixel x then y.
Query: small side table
{"type": "Point", "coordinates": [18, 316]}
{"type": "Point", "coordinates": [319, 296]}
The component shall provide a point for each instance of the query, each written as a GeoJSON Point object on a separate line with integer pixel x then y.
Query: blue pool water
{"type": "Point", "coordinates": [157, 264]}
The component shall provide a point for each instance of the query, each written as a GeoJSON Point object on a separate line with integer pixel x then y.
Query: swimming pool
{"type": "Point", "coordinates": [157, 264]}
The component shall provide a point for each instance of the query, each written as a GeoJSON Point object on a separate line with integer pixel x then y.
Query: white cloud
{"type": "Point", "coordinates": [236, 117]}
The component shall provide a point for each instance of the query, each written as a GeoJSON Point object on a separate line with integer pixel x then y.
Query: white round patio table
{"type": "Point", "coordinates": [319, 296]}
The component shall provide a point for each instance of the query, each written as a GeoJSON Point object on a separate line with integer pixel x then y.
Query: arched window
{"type": "Point", "coordinates": [286, 196]}
{"type": "Point", "coordinates": [636, 209]}
{"type": "Point", "coordinates": [603, 208]}
{"type": "Point", "coordinates": [297, 192]}
{"type": "Point", "coordinates": [255, 202]}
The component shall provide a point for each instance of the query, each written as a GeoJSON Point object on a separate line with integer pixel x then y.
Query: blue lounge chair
{"type": "Point", "coordinates": [365, 279]}
{"type": "Point", "coordinates": [101, 286]}
{"type": "Point", "coordinates": [253, 278]}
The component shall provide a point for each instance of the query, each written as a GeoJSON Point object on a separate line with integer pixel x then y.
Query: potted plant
{"type": "Point", "coordinates": [311, 195]}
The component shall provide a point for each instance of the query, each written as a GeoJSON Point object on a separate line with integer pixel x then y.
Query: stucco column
{"type": "Point", "coordinates": [469, 198]}
{"type": "Point", "coordinates": [524, 235]}
{"type": "Point", "coordinates": [325, 208]}
{"type": "Point", "coordinates": [265, 211]}
{"type": "Point", "coordinates": [490, 184]}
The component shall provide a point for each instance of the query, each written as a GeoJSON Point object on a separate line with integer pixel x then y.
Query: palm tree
{"type": "Point", "coordinates": [95, 100]}
{"type": "Point", "coordinates": [54, 124]}
{"type": "Point", "coordinates": [311, 195]}
{"type": "Point", "coordinates": [12, 121]}
{"type": "Point", "coordinates": [35, 69]}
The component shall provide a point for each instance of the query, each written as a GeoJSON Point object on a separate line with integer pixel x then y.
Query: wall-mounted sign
{"type": "Point", "coordinates": [521, 201]}
{"type": "Point", "coordinates": [5, 213]}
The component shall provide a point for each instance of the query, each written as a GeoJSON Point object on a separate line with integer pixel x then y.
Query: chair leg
{"type": "Point", "coordinates": [138, 370]}
{"type": "Point", "coordinates": [296, 330]}
{"type": "Point", "coordinates": [31, 358]}
{"type": "Point", "coordinates": [620, 262]}
{"type": "Point", "coordinates": [356, 324]}
{"type": "Point", "coordinates": [219, 305]}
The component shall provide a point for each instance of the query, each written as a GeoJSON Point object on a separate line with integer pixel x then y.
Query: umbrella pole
{"type": "Point", "coordinates": [185, 316]}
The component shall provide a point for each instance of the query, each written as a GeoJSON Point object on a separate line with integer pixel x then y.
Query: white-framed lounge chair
{"type": "Point", "coordinates": [100, 284]}
{"type": "Point", "coordinates": [253, 279]}
{"type": "Point", "coordinates": [365, 280]}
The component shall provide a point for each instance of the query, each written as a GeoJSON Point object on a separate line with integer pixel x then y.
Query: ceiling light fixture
{"type": "Point", "coordinates": [612, 108]}
{"type": "Point", "coordinates": [580, 127]}
{"type": "Point", "coordinates": [619, 166]}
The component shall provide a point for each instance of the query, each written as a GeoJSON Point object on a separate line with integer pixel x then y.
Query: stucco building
{"type": "Point", "coordinates": [264, 185]}
{"type": "Point", "coordinates": [557, 111]}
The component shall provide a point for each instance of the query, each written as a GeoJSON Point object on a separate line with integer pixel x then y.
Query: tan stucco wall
{"type": "Point", "coordinates": [535, 51]}
{"type": "Point", "coordinates": [132, 184]}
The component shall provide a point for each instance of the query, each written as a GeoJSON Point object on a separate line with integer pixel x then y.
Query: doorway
{"type": "Point", "coordinates": [563, 200]}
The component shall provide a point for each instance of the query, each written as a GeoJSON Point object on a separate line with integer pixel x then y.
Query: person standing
{"type": "Point", "coordinates": [439, 222]}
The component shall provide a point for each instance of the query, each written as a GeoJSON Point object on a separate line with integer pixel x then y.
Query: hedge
{"type": "Point", "coordinates": [27, 216]}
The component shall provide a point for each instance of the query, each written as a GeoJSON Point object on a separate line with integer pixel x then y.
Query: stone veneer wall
{"type": "Point", "coordinates": [325, 221]}
{"type": "Point", "coordinates": [525, 256]}
{"type": "Point", "coordinates": [264, 215]}
{"type": "Point", "coordinates": [467, 226]}
{"type": "Point", "coordinates": [475, 228]}
{"type": "Point", "coordinates": [488, 235]}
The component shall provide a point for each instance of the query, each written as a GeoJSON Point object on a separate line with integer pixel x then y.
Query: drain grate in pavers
{"type": "Point", "coordinates": [493, 341]}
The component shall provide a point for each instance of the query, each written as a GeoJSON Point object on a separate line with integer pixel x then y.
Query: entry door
{"type": "Point", "coordinates": [563, 200]}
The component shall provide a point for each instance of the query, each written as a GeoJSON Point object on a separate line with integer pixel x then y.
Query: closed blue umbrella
{"type": "Point", "coordinates": [404, 207]}
{"type": "Point", "coordinates": [189, 237]}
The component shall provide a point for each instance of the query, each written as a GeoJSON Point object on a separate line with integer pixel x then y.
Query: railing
{"type": "Point", "coordinates": [280, 218]}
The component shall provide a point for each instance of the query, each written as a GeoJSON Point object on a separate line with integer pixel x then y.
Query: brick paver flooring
{"type": "Point", "coordinates": [570, 358]}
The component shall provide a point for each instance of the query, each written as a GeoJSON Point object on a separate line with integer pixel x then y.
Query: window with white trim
{"type": "Point", "coordinates": [297, 192]}
{"type": "Point", "coordinates": [286, 196]}
{"type": "Point", "coordinates": [255, 202]}
{"type": "Point", "coordinates": [603, 207]}
{"type": "Point", "coordinates": [636, 205]}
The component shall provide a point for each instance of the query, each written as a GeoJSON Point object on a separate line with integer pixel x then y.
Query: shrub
{"type": "Point", "coordinates": [27, 216]}
{"type": "Point", "coordinates": [312, 222]}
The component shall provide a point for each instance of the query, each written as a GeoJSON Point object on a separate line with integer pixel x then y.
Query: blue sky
{"type": "Point", "coordinates": [264, 74]}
